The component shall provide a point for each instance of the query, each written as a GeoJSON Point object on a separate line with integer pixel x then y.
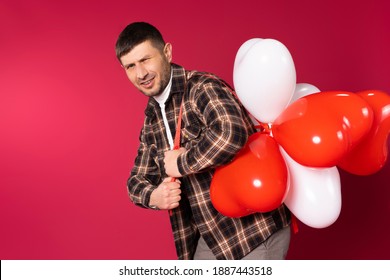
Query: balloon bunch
{"type": "Point", "coordinates": [305, 136]}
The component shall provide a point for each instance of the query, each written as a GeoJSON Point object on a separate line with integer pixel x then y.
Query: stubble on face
{"type": "Point", "coordinates": [148, 67]}
{"type": "Point", "coordinates": [165, 75]}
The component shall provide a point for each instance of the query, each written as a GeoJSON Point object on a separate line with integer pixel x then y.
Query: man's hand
{"type": "Point", "coordinates": [170, 162]}
{"type": "Point", "coordinates": [167, 194]}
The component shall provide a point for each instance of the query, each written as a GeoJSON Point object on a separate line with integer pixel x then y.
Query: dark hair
{"type": "Point", "coordinates": [135, 34]}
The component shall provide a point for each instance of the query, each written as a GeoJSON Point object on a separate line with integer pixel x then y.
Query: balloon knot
{"type": "Point", "coordinates": [265, 128]}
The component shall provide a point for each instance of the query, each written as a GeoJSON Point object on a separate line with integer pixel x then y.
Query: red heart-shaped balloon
{"type": "Point", "coordinates": [370, 155]}
{"type": "Point", "coordinates": [255, 181]}
{"type": "Point", "coordinates": [317, 130]}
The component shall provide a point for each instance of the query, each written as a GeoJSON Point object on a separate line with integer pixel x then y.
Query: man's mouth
{"type": "Point", "coordinates": [147, 83]}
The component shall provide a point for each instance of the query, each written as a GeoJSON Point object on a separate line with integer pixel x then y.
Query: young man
{"type": "Point", "coordinates": [214, 127]}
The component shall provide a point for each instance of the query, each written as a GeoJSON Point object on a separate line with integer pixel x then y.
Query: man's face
{"type": "Point", "coordinates": [148, 68]}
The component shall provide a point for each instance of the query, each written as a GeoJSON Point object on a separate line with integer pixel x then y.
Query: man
{"type": "Point", "coordinates": [214, 127]}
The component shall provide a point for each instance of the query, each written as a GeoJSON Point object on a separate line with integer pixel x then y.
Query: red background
{"type": "Point", "coordinates": [69, 118]}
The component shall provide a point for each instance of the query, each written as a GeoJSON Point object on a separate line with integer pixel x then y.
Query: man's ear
{"type": "Point", "coordinates": [168, 51]}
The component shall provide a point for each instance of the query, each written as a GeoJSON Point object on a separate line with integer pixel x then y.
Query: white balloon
{"type": "Point", "coordinates": [244, 49]}
{"type": "Point", "coordinates": [264, 78]}
{"type": "Point", "coordinates": [314, 196]}
{"type": "Point", "coordinates": [303, 89]}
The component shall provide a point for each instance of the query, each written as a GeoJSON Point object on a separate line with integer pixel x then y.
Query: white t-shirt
{"type": "Point", "coordinates": [161, 99]}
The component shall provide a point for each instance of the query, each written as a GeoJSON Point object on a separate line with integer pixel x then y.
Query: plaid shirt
{"type": "Point", "coordinates": [214, 128]}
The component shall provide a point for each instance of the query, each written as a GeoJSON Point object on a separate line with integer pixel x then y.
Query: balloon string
{"type": "Point", "coordinates": [176, 143]}
{"type": "Point", "coordinates": [294, 223]}
{"type": "Point", "coordinates": [259, 127]}
{"type": "Point", "coordinates": [264, 127]}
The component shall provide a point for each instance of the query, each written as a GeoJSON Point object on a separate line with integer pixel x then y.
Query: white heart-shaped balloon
{"type": "Point", "coordinates": [314, 196]}
{"type": "Point", "coordinates": [264, 78]}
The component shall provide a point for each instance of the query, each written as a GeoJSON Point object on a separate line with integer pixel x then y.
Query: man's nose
{"type": "Point", "coordinates": [141, 72]}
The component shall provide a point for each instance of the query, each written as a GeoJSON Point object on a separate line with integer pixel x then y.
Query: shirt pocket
{"type": "Point", "coordinates": [154, 154]}
{"type": "Point", "coordinates": [190, 135]}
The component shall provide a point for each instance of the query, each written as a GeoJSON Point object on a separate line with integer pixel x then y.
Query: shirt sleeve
{"type": "Point", "coordinates": [145, 174]}
{"type": "Point", "coordinates": [225, 131]}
